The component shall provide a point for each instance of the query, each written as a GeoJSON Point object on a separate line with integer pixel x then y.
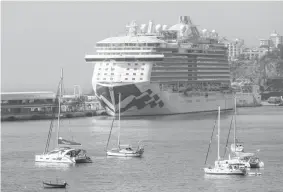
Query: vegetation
{"type": "Point", "coordinates": [258, 70]}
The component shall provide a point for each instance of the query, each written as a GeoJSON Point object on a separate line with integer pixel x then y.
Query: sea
{"type": "Point", "coordinates": [176, 147]}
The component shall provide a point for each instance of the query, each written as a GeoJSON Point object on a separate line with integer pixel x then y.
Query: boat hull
{"type": "Point", "coordinates": [54, 159]}
{"type": "Point", "coordinates": [83, 160]}
{"type": "Point", "coordinates": [149, 99]}
{"type": "Point", "coordinates": [120, 154]}
{"type": "Point", "coordinates": [51, 185]}
{"type": "Point", "coordinates": [214, 171]}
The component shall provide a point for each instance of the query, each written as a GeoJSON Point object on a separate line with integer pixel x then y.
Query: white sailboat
{"type": "Point", "coordinates": [62, 152]}
{"type": "Point", "coordinates": [236, 146]}
{"type": "Point", "coordinates": [225, 167]}
{"type": "Point", "coordinates": [249, 159]}
{"type": "Point", "coordinates": [123, 150]}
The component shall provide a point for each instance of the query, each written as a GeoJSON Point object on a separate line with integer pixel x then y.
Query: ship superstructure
{"type": "Point", "coordinates": [160, 70]}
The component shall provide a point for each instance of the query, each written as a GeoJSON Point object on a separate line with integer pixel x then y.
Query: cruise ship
{"type": "Point", "coordinates": [161, 70]}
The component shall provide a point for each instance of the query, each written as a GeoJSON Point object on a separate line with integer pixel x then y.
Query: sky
{"type": "Point", "coordinates": [40, 38]}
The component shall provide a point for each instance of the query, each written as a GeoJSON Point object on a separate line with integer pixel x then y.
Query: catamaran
{"type": "Point", "coordinates": [123, 150]}
{"type": "Point", "coordinates": [62, 152]}
{"type": "Point", "coordinates": [225, 167]}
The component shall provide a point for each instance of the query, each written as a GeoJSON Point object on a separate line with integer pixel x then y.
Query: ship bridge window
{"type": "Point", "coordinates": [143, 64]}
{"type": "Point", "coordinates": [136, 69]}
{"type": "Point", "coordinates": [133, 78]}
{"type": "Point", "coordinates": [128, 69]}
{"type": "Point", "coordinates": [136, 64]}
{"type": "Point", "coordinates": [140, 78]}
{"type": "Point", "coordinates": [104, 78]}
{"type": "Point", "coordinates": [127, 73]}
{"type": "Point", "coordinates": [129, 63]}
{"type": "Point", "coordinates": [142, 68]}
{"type": "Point", "coordinates": [141, 73]}
{"type": "Point", "coordinates": [126, 78]}
{"type": "Point", "coordinates": [105, 73]}
{"type": "Point", "coordinates": [112, 73]}
{"type": "Point", "coordinates": [134, 73]}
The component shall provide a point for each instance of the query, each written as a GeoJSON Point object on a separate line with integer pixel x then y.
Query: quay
{"type": "Point", "coordinates": [41, 105]}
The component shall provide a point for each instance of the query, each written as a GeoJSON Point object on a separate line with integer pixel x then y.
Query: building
{"type": "Point", "coordinates": [27, 103]}
{"type": "Point", "coordinates": [275, 39]}
{"type": "Point", "coordinates": [235, 48]}
{"type": "Point", "coordinates": [265, 42]}
{"type": "Point", "coordinates": [254, 53]}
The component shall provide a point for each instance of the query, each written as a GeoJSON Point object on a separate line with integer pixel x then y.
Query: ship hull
{"type": "Point", "coordinates": [149, 99]}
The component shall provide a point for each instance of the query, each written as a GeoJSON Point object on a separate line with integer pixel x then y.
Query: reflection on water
{"type": "Point", "coordinates": [57, 166]}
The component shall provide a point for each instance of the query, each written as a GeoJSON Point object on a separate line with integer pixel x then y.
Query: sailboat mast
{"type": "Point", "coordinates": [235, 103]}
{"type": "Point", "coordinates": [218, 156]}
{"type": "Point", "coordinates": [119, 120]}
{"type": "Point", "coordinates": [59, 108]}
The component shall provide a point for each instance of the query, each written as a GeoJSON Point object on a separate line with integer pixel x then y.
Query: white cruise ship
{"type": "Point", "coordinates": [161, 70]}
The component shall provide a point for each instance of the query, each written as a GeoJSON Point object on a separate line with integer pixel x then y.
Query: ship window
{"type": "Point", "coordinates": [106, 69]}
{"type": "Point", "coordinates": [114, 63]}
{"type": "Point", "coordinates": [97, 78]}
{"type": "Point", "coordinates": [128, 68]}
{"type": "Point", "coordinates": [141, 73]}
{"type": "Point", "coordinates": [142, 68]}
{"type": "Point", "coordinates": [112, 73]}
{"type": "Point", "coordinates": [140, 78]}
{"type": "Point", "coordinates": [111, 78]}
{"type": "Point", "coordinates": [136, 64]}
{"type": "Point", "coordinates": [126, 78]}
{"type": "Point", "coordinates": [127, 73]}
{"type": "Point", "coordinates": [134, 73]}
{"type": "Point", "coordinates": [143, 64]}
{"type": "Point", "coordinates": [129, 63]}
{"type": "Point", "coordinates": [112, 69]}
{"type": "Point", "coordinates": [98, 73]}
{"type": "Point", "coordinates": [105, 73]}
{"type": "Point", "coordinates": [104, 78]}
{"type": "Point", "coordinates": [136, 69]}
{"type": "Point", "coordinates": [133, 79]}
{"type": "Point", "coordinates": [99, 69]}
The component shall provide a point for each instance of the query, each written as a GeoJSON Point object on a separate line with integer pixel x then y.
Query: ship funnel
{"type": "Point", "coordinates": [158, 28]}
{"type": "Point", "coordinates": [143, 28]}
{"type": "Point", "coordinates": [184, 19]}
{"type": "Point", "coordinates": [164, 27]}
{"type": "Point", "coordinates": [150, 25]}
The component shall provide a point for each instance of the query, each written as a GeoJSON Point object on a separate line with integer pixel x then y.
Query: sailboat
{"type": "Point", "coordinates": [225, 167]}
{"type": "Point", "coordinates": [236, 146]}
{"type": "Point", "coordinates": [249, 159]}
{"type": "Point", "coordinates": [62, 152]}
{"type": "Point", "coordinates": [123, 150]}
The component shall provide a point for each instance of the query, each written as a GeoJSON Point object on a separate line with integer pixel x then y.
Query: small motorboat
{"type": "Point", "coordinates": [54, 185]}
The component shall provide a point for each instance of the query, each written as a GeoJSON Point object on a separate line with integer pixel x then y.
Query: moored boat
{"type": "Point", "coordinates": [222, 166]}
{"type": "Point", "coordinates": [123, 150]}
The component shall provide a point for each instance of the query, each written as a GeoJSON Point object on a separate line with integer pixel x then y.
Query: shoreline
{"type": "Point", "coordinates": [28, 117]}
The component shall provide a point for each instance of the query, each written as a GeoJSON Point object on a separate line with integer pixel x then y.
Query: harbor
{"type": "Point", "coordinates": [173, 159]}
{"type": "Point", "coordinates": [99, 96]}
